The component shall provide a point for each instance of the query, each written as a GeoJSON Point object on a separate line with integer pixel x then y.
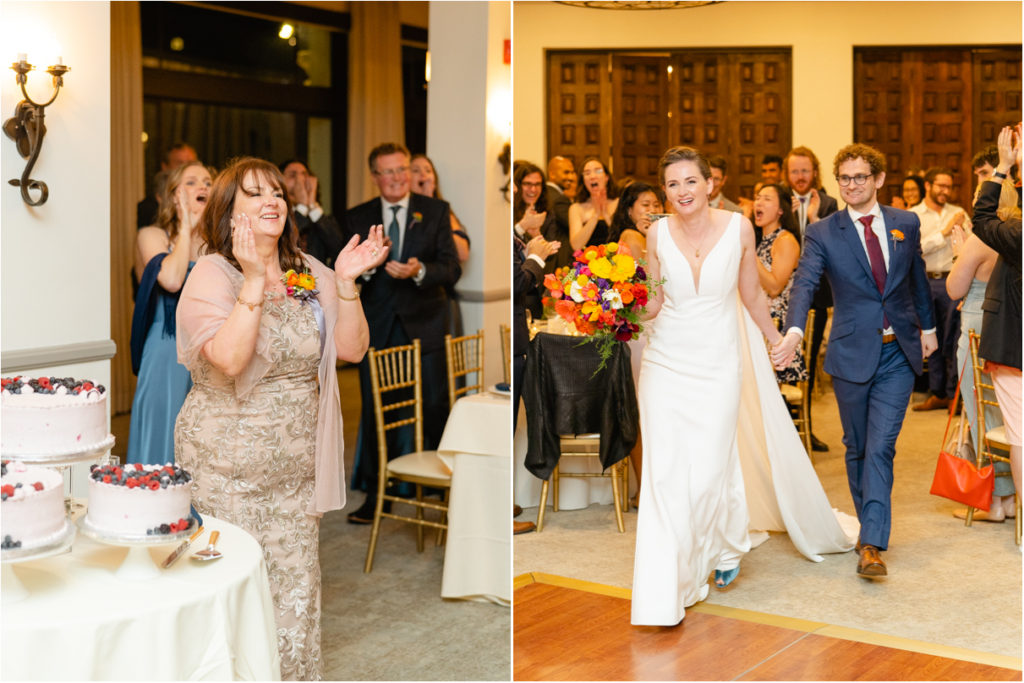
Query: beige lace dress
{"type": "Point", "coordinates": [253, 462]}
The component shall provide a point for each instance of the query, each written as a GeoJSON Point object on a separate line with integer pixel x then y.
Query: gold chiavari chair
{"type": "Point", "coordinates": [506, 352]}
{"type": "Point", "coordinates": [393, 373]}
{"type": "Point", "coordinates": [989, 439]}
{"type": "Point", "coordinates": [465, 356]}
{"type": "Point", "coordinates": [586, 445]}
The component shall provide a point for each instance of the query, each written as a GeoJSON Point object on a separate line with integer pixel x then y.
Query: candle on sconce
{"type": "Point", "coordinates": [22, 57]}
{"type": "Point", "coordinates": [60, 61]}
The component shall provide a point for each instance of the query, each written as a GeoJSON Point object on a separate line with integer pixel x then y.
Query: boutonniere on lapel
{"type": "Point", "coordinates": [897, 236]}
{"type": "Point", "coordinates": [417, 217]}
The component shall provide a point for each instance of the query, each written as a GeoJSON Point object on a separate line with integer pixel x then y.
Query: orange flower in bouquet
{"type": "Point", "coordinates": [602, 293]}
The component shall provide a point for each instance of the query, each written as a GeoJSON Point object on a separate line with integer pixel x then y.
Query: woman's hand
{"type": "Point", "coordinates": [644, 224]}
{"type": "Point", "coordinates": [243, 248]}
{"type": "Point", "coordinates": [1008, 144]}
{"type": "Point", "coordinates": [356, 258]}
{"type": "Point", "coordinates": [531, 222]}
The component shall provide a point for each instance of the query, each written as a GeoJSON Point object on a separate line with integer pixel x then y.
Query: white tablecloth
{"type": "Point", "coordinates": [194, 621]}
{"type": "Point", "coordinates": [475, 446]}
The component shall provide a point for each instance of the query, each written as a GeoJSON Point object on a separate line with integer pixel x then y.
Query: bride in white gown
{"type": "Point", "coordinates": [721, 456]}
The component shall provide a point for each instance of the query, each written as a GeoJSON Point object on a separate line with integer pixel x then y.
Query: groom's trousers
{"type": "Point", "coordinates": [872, 414]}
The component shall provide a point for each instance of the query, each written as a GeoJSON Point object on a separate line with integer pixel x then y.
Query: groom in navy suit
{"type": "Point", "coordinates": [882, 328]}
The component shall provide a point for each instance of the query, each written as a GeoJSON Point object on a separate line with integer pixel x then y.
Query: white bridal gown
{"type": "Point", "coordinates": [715, 431]}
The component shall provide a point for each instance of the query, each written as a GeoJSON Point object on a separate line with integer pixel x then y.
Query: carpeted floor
{"type": "Point", "coordinates": [947, 584]}
{"type": "Point", "coordinates": [391, 624]}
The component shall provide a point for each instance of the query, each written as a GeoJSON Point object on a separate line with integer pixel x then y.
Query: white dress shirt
{"type": "Point", "coordinates": [937, 250]}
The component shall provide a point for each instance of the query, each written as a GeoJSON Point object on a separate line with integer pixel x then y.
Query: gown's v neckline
{"type": "Point", "coordinates": [696, 277]}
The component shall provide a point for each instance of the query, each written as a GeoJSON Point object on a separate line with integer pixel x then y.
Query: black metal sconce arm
{"type": "Point", "coordinates": [27, 129]}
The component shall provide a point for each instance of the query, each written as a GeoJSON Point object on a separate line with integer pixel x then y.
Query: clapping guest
{"type": "Point", "coordinates": [260, 326]}
{"type": "Point", "coordinates": [531, 219]}
{"type": "Point", "coordinates": [319, 233]}
{"type": "Point", "coordinates": [426, 183]}
{"type": "Point", "coordinates": [596, 200]}
{"type": "Point", "coordinates": [164, 254]}
{"type": "Point", "coordinates": [912, 192]}
{"type": "Point", "coordinates": [777, 255]}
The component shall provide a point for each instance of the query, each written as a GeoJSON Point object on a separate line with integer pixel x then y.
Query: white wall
{"type": "Point", "coordinates": [55, 277]}
{"type": "Point", "coordinates": [822, 36]}
{"type": "Point", "coordinates": [467, 124]}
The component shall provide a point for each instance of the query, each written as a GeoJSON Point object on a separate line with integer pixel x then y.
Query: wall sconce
{"type": "Point", "coordinates": [26, 127]}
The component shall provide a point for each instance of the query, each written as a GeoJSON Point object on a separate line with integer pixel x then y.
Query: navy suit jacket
{"type": "Point", "coordinates": [833, 248]}
{"type": "Point", "coordinates": [422, 309]}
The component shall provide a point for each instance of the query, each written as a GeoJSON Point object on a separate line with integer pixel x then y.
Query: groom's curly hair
{"type": "Point", "coordinates": [875, 159]}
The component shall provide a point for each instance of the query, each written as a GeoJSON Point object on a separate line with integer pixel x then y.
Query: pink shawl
{"type": "Point", "coordinates": [207, 299]}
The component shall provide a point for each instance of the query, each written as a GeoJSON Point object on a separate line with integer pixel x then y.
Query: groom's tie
{"type": "Point", "coordinates": [876, 258]}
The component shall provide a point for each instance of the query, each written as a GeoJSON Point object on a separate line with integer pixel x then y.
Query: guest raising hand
{"type": "Point", "coordinates": [596, 201]}
{"type": "Point", "coordinates": [164, 253]}
{"type": "Point", "coordinates": [260, 327]}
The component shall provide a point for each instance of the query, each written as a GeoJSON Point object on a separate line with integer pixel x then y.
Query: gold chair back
{"type": "Point", "coordinates": [465, 357]}
{"type": "Point", "coordinates": [506, 352]}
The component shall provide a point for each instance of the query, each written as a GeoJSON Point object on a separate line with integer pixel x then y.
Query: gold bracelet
{"type": "Point", "coordinates": [348, 298]}
{"type": "Point", "coordinates": [252, 305]}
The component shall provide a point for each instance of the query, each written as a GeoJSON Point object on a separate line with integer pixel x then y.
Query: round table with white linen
{"type": "Point", "coordinates": [192, 621]}
{"type": "Point", "coordinates": [476, 448]}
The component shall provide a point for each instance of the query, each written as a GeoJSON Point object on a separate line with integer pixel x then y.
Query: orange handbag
{"type": "Point", "coordinates": [957, 478]}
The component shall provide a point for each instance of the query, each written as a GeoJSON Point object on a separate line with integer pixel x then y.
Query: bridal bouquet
{"type": "Point", "coordinates": [603, 293]}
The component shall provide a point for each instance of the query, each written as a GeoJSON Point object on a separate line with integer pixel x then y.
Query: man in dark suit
{"type": "Point", "coordinates": [319, 232]}
{"type": "Point", "coordinates": [882, 329]}
{"type": "Point", "coordinates": [1001, 326]}
{"type": "Point", "coordinates": [404, 300]}
{"type": "Point", "coordinates": [801, 172]}
{"type": "Point", "coordinates": [561, 176]}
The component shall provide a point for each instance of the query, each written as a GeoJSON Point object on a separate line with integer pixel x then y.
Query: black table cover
{"type": "Point", "coordinates": [562, 395]}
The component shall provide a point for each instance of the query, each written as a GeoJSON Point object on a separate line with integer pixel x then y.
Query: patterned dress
{"type": "Point", "coordinates": [796, 371]}
{"type": "Point", "coordinates": [252, 463]}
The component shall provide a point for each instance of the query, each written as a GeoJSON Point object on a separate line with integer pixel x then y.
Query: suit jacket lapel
{"type": "Point", "coordinates": [853, 243]}
{"type": "Point", "coordinates": [413, 229]}
{"type": "Point", "coordinates": [896, 249]}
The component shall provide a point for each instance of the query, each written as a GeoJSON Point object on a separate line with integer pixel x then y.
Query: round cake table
{"type": "Point", "coordinates": [193, 621]}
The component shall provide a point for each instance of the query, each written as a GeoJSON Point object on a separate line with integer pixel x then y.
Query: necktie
{"type": "Point", "coordinates": [803, 213]}
{"type": "Point", "coordinates": [394, 235]}
{"type": "Point", "coordinates": [875, 257]}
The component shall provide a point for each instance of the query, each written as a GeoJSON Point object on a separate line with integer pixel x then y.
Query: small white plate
{"type": "Point", "coordinates": [500, 392]}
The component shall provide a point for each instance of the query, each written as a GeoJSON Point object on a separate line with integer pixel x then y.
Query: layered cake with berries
{"type": "Point", "coordinates": [139, 500]}
{"type": "Point", "coordinates": [51, 415]}
{"type": "Point", "coordinates": [32, 505]}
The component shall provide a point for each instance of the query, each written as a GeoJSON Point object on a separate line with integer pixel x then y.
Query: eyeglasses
{"type": "Point", "coordinates": [859, 179]}
{"type": "Point", "coordinates": [392, 172]}
{"type": "Point", "coordinates": [533, 185]}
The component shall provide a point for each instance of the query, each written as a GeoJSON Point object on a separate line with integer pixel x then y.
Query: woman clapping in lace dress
{"type": "Point", "coordinates": [261, 429]}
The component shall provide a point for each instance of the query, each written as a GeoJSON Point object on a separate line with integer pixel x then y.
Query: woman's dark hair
{"type": "Point", "coordinates": [215, 225]}
{"type": "Point", "coordinates": [167, 217]}
{"type": "Point", "coordinates": [788, 220]}
{"type": "Point", "coordinates": [917, 180]}
{"type": "Point", "coordinates": [523, 169]}
{"type": "Point", "coordinates": [621, 220]}
{"type": "Point", "coordinates": [583, 193]}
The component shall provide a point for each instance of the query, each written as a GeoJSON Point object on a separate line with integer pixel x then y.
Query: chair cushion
{"type": "Point", "coordinates": [997, 437]}
{"type": "Point", "coordinates": [792, 394]}
{"type": "Point", "coordinates": [420, 465]}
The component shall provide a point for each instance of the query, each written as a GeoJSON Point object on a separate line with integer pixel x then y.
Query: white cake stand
{"type": "Point", "coordinates": [68, 457]}
{"type": "Point", "coordinates": [13, 589]}
{"type": "Point", "coordinates": [138, 565]}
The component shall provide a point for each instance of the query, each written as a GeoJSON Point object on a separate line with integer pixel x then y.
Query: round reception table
{"type": "Point", "coordinates": [78, 618]}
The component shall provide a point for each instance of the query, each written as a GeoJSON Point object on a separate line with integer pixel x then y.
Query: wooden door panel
{"type": "Point", "coordinates": [760, 95]}
{"type": "Point", "coordinates": [578, 106]}
{"type": "Point", "coordinates": [640, 118]}
{"type": "Point", "coordinates": [997, 93]}
{"type": "Point", "coordinates": [882, 95]}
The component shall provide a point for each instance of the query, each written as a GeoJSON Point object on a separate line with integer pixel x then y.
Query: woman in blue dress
{"type": "Point", "coordinates": [164, 254]}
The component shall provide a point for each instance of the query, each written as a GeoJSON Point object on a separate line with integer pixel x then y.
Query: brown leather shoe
{"type": "Point", "coordinates": [516, 510]}
{"type": "Point", "coordinates": [870, 565]}
{"type": "Point", "coordinates": [932, 403]}
{"type": "Point", "coordinates": [522, 527]}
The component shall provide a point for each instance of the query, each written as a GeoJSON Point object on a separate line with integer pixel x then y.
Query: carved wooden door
{"type": "Point", "coordinates": [640, 117]}
{"type": "Point", "coordinates": [579, 106]}
{"type": "Point", "coordinates": [934, 107]}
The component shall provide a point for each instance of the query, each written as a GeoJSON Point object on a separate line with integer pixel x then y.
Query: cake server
{"type": "Point", "coordinates": [180, 550]}
{"type": "Point", "coordinates": [209, 553]}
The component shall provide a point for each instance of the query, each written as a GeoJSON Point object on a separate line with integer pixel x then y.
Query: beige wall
{"type": "Point", "coordinates": [822, 36]}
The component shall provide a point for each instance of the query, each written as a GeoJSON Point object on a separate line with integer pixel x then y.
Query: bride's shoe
{"type": "Point", "coordinates": [724, 577]}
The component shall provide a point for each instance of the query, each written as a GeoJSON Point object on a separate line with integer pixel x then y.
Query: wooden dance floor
{"type": "Point", "coordinates": [564, 629]}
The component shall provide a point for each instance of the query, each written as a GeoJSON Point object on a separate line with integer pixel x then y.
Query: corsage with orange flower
{"type": "Point", "coordinates": [604, 292]}
{"type": "Point", "coordinates": [301, 286]}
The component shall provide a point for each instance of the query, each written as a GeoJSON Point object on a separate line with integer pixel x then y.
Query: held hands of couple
{"type": "Point", "coordinates": [784, 350]}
